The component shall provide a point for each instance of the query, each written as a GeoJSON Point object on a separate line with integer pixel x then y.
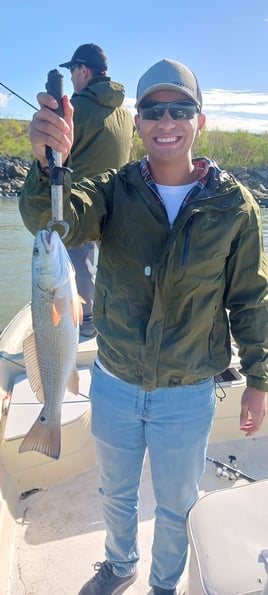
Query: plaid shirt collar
{"type": "Point", "coordinates": [203, 164]}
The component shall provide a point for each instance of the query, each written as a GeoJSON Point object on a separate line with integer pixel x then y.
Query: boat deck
{"type": "Point", "coordinates": [60, 533]}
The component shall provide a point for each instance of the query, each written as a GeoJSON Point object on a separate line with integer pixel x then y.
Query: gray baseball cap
{"type": "Point", "coordinates": [169, 75]}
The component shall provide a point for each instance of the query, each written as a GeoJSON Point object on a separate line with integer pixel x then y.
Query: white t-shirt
{"type": "Point", "coordinates": [172, 197]}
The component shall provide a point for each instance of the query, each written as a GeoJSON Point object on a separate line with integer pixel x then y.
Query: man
{"type": "Point", "coordinates": [103, 132]}
{"type": "Point", "coordinates": [180, 239]}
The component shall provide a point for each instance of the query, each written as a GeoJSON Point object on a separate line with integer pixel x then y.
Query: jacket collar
{"type": "Point", "coordinates": [209, 171]}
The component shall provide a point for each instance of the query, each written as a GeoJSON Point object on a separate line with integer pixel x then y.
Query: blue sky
{"type": "Point", "coordinates": [225, 43]}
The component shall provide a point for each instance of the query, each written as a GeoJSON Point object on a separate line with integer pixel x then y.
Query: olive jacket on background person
{"type": "Point", "coordinates": [162, 291]}
{"type": "Point", "coordinates": [103, 128]}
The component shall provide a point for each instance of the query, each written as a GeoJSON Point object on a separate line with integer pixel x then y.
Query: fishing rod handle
{"type": "Point", "coordinates": [54, 87]}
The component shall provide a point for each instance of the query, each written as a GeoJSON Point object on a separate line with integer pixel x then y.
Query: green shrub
{"type": "Point", "coordinates": [14, 141]}
{"type": "Point", "coordinates": [228, 149]}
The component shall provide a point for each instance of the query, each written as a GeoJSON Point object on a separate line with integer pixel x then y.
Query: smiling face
{"type": "Point", "coordinates": [167, 141]}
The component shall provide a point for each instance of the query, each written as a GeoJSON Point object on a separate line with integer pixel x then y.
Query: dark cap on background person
{"type": "Point", "coordinates": [169, 75]}
{"type": "Point", "coordinates": [90, 55]}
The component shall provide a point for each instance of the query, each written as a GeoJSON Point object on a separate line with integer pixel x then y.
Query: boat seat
{"type": "Point", "coordinates": [228, 537]}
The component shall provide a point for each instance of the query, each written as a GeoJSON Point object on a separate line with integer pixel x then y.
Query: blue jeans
{"type": "Point", "coordinates": [174, 425]}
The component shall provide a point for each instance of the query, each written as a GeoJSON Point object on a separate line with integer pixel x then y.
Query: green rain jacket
{"type": "Point", "coordinates": [103, 128]}
{"type": "Point", "coordinates": [162, 293]}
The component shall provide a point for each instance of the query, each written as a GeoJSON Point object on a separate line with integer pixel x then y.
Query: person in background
{"type": "Point", "coordinates": [103, 131]}
{"type": "Point", "coordinates": [180, 239]}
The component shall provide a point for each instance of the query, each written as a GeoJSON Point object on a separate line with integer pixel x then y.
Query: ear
{"type": "Point", "coordinates": [87, 73]}
{"type": "Point", "coordinates": [201, 124]}
{"type": "Point", "coordinates": [137, 123]}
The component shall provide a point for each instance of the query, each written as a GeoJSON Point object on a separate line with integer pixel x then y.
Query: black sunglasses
{"type": "Point", "coordinates": [178, 110]}
{"type": "Point", "coordinates": [72, 68]}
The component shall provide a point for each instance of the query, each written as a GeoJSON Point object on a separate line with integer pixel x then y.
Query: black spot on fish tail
{"type": "Point", "coordinates": [43, 438]}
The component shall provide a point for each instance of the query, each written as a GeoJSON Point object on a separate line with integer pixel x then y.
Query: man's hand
{"type": "Point", "coordinates": [47, 128]}
{"type": "Point", "coordinates": [253, 410]}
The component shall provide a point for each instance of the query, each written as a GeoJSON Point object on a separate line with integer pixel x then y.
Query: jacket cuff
{"type": "Point", "coordinates": [258, 383]}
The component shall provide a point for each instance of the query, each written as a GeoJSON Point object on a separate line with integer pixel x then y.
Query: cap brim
{"type": "Point", "coordinates": [166, 87]}
{"type": "Point", "coordinates": [65, 65]}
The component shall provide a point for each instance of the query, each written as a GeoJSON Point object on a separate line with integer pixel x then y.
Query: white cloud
{"type": "Point", "coordinates": [232, 123]}
{"type": "Point", "coordinates": [235, 98]}
{"type": "Point", "coordinates": [4, 99]}
{"type": "Point", "coordinates": [233, 110]}
{"type": "Point", "coordinates": [230, 110]}
{"type": "Point", "coordinates": [129, 102]}
{"type": "Point", "coordinates": [225, 109]}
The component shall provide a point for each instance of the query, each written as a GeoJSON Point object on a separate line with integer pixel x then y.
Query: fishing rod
{"type": "Point", "coordinates": [54, 87]}
{"type": "Point", "coordinates": [19, 96]}
{"type": "Point", "coordinates": [228, 471]}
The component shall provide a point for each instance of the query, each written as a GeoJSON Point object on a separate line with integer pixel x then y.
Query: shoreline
{"type": "Point", "coordinates": [13, 171]}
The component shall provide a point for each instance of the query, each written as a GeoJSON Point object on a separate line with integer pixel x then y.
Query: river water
{"type": "Point", "coordinates": [15, 259]}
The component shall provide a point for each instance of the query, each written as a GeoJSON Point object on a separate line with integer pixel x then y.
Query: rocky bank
{"type": "Point", "coordinates": [13, 171]}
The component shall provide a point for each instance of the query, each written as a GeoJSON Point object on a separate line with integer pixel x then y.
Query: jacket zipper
{"type": "Point", "coordinates": [104, 303]}
{"type": "Point", "coordinates": [187, 241]}
{"type": "Point", "coordinates": [210, 340]}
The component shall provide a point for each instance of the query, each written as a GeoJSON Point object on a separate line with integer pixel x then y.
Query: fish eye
{"type": "Point", "coordinates": [35, 251]}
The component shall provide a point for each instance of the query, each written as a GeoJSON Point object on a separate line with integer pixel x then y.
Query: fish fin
{"type": "Point", "coordinates": [81, 299]}
{"type": "Point", "coordinates": [76, 311]}
{"type": "Point", "coordinates": [80, 312]}
{"type": "Point", "coordinates": [58, 309]}
{"type": "Point", "coordinates": [44, 438]}
{"type": "Point", "coordinates": [73, 382]}
{"type": "Point", "coordinates": [32, 366]}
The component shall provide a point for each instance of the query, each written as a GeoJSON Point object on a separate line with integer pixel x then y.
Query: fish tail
{"type": "Point", "coordinates": [44, 438]}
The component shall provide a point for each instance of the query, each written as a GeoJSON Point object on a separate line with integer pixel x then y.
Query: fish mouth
{"type": "Point", "coordinates": [48, 239]}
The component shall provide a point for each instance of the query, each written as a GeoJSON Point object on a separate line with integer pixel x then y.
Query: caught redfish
{"type": "Point", "coordinates": [50, 351]}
